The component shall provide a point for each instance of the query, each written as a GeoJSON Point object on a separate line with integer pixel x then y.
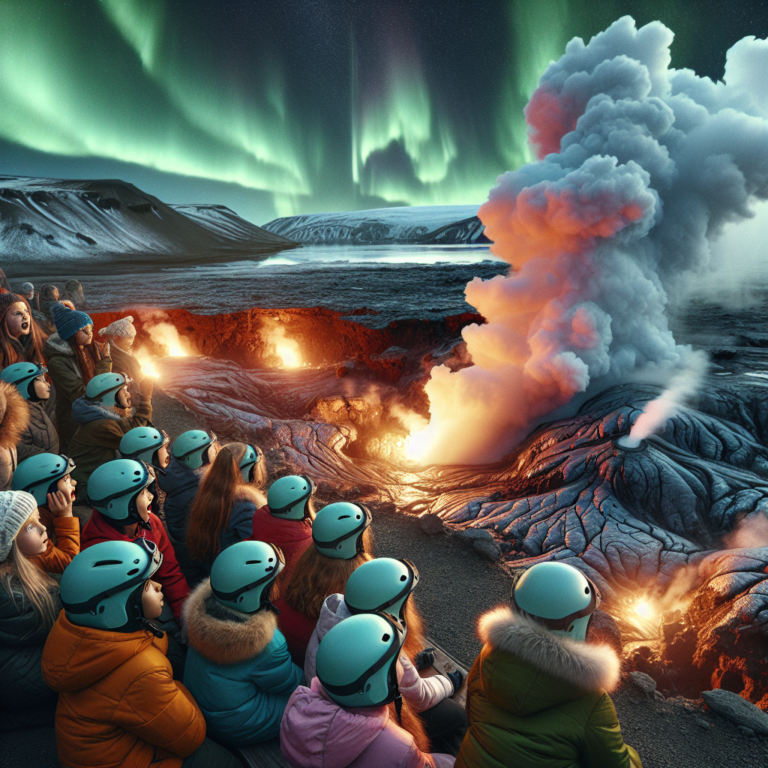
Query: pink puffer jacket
{"type": "Point", "coordinates": [318, 733]}
{"type": "Point", "coordinates": [421, 693]}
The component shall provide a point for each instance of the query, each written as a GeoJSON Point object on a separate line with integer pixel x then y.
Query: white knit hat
{"type": "Point", "coordinates": [120, 328]}
{"type": "Point", "coordinates": [15, 508]}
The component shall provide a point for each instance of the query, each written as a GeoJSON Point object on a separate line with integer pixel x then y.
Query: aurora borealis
{"type": "Point", "coordinates": [302, 106]}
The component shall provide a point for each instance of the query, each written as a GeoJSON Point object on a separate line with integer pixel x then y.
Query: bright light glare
{"type": "Point", "coordinates": [290, 356]}
{"type": "Point", "coordinates": [644, 610]}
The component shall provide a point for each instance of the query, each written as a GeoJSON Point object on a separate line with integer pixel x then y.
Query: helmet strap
{"type": "Point", "coordinates": [399, 706]}
{"type": "Point", "coordinates": [150, 627]}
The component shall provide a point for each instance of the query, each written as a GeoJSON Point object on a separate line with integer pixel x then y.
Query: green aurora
{"type": "Point", "coordinates": [284, 108]}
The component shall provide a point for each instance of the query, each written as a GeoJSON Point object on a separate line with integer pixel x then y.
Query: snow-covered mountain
{"type": "Point", "coordinates": [426, 224]}
{"type": "Point", "coordinates": [54, 221]}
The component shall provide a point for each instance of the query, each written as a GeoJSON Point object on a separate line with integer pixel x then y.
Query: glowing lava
{"type": "Point", "coordinates": [289, 354]}
{"type": "Point", "coordinates": [645, 610]}
{"type": "Point", "coordinates": [175, 350]}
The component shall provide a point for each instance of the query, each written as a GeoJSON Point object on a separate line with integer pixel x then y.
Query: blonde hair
{"type": "Point", "coordinates": [36, 586]}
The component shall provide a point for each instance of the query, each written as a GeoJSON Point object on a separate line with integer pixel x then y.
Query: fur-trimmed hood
{"type": "Point", "coordinates": [249, 494]}
{"type": "Point", "coordinates": [14, 415]}
{"type": "Point", "coordinates": [223, 636]}
{"type": "Point", "coordinates": [543, 669]}
{"type": "Point", "coordinates": [85, 411]}
{"type": "Point", "coordinates": [55, 345]}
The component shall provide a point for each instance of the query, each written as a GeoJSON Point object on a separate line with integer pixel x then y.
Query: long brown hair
{"type": "Point", "coordinates": [16, 571]}
{"type": "Point", "coordinates": [315, 576]}
{"type": "Point", "coordinates": [87, 358]}
{"type": "Point", "coordinates": [212, 506]}
{"type": "Point", "coordinates": [27, 349]}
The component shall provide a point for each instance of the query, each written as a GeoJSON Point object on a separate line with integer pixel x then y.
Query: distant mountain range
{"type": "Point", "coordinates": [51, 223]}
{"type": "Point", "coordinates": [426, 225]}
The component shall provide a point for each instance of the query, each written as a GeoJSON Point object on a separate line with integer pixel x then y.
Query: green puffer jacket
{"type": "Point", "coordinates": [68, 382]}
{"type": "Point", "coordinates": [537, 700]}
{"type": "Point", "coordinates": [21, 649]}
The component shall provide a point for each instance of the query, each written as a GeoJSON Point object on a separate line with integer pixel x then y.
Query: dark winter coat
{"type": "Point", "coordinates": [40, 436]}
{"type": "Point", "coordinates": [68, 382]}
{"type": "Point", "coordinates": [21, 648]}
{"type": "Point", "coordinates": [98, 436]}
{"type": "Point", "coordinates": [292, 536]}
{"type": "Point", "coordinates": [175, 587]}
{"type": "Point", "coordinates": [537, 700]}
{"type": "Point", "coordinates": [238, 669]}
{"type": "Point", "coordinates": [125, 363]}
{"type": "Point", "coordinates": [180, 485]}
{"type": "Point", "coordinates": [14, 420]}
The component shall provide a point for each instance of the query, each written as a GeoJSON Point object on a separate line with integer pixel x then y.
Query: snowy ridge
{"type": "Point", "coordinates": [44, 221]}
{"type": "Point", "coordinates": [425, 224]}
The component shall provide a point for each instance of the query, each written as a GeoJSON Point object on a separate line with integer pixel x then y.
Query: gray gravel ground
{"type": "Point", "coordinates": [456, 586]}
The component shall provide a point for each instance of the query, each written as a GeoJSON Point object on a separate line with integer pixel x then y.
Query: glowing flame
{"type": "Point", "coordinates": [147, 363]}
{"type": "Point", "coordinates": [175, 350]}
{"type": "Point", "coordinates": [645, 610]}
{"type": "Point", "coordinates": [289, 355]}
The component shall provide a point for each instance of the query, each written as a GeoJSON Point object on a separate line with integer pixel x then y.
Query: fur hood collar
{"type": "Point", "coordinates": [14, 415]}
{"type": "Point", "coordinates": [250, 494]}
{"type": "Point", "coordinates": [58, 346]}
{"type": "Point", "coordinates": [585, 666]}
{"type": "Point", "coordinates": [223, 636]}
{"type": "Point", "coordinates": [85, 411]}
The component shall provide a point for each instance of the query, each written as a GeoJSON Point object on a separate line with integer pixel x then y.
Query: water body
{"type": "Point", "coordinates": [393, 281]}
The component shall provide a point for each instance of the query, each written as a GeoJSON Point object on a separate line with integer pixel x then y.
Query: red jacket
{"type": "Point", "coordinates": [296, 628]}
{"type": "Point", "coordinates": [292, 536]}
{"type": "Point", "coordinates": [175, 587]}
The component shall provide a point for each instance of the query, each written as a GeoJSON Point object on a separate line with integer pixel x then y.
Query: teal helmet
{"type": "Point", "coordinates": [114, 486]}
{"type": "Point", "coordinates": [357, 660]}
{"type": "Point", "coordinates": [189, 447]}
{"type": "Point", "coordinates": [22, 376]}
{"type": "Point", "coordinates": [242, 575]}
{"type": "Point", "coordinates": [248, 462]}
{"type": "Point", "coordinates": [102, 586]}
{"type": "Point", "coordinates": [105, 387]}
{"type": "Point", "coordinates": [381, 585]}
{"type": "Point", "coordinates": [143, 443]}
{"type": "Point", "coordinates": [288, 498]}
{"type": "Point", "coordinates": [338, 529]}
{"type": "Point", "coordinates": [40, 474]}
{"type": "Point", "coordinates": [557, 596]}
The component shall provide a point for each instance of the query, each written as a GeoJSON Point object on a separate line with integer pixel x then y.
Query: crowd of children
{"type": "Point", "coordinates": [292, 628]}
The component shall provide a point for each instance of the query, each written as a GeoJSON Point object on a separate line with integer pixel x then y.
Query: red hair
{"type": "Point", "coordinates": [28, 348]}
{"type": "Point", "coordinates": [212, 506]}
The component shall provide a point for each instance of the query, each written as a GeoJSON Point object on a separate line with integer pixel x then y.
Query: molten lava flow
{"type": "Point", "coordinates": [175, 350]}
{"type": "Point", "coordinates": [289, 355]}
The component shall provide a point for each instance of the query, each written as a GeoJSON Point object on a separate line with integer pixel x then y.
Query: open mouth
{"type": "Point", "coordinates": [25, 325]}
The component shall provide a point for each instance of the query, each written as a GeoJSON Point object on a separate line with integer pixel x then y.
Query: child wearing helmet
{"type": "Point", "coordinates": [104, 415]}
{"type": "Point", "coordinates": [146, 444]}
{"type": "Point", "coordinates": [286, 519]}
{"type": "Point", "coordinates": [386, 585]}
{"type": "Point", "coordinates": [119, 703]}
{"type": "Point", "coordinates": [74, 358]}
{"type": "Point", "coordinates": [342, 542]}
{"type": "Point", "coordinates": [14, 419]}
{"type": "Point", "coordinates": [120, 494]}
{"type": "Point", "coordinates": [193, 454]}
{"type": "Point", "coordinates": [40, 436]}
{"type": "Point", "coordinates": [29, 604]}
{"type": "Point", "coordinates": [226, 501]}
{"type": "Point", "coordinates": [538, 692]}
{"type": "Point", "coordinates": [346, 716]}
{"type": "Point", "coordinates": [48, 478]}
{"type": "Point", "coordinates": [238, 666]}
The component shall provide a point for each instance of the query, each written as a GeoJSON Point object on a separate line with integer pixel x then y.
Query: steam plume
{"type": "Point", "coordinates": [641, 166]}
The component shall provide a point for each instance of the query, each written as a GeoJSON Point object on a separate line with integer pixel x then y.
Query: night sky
{"type": "Point", "coordinates": [281, 107]}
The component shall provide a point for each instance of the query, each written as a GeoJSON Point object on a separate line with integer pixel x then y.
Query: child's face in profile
{"type": "Point", "coordinates": [163, 457]}
{"type": "Point", "coordinates": [143, 500]}
{"type": "Point", "coordinates": [152, 600]}
{"type": "Point", "coordinates": [67, 486]}
{"type": "Point", "coordinates": [32, 539]}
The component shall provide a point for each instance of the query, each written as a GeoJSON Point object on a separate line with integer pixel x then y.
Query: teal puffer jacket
{"type": "Point", "coordinates": [536, 700]}
{"type": "Point", "coordinates": [238, 669]}
{"type": "Point", "coordinates": [21, 650]}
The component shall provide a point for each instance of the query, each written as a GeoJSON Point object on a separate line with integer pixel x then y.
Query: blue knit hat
{"type": "Point", "coordinates": [69, 321]}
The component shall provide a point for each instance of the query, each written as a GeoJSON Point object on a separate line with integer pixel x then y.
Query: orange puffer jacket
{"type": "Point", "coordinates": [119, 704]}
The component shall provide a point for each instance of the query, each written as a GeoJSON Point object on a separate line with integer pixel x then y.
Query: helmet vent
{"type": "Point", "coordinates": [586, 590]}
{"type": "Point", "coordinates": [403, 578]}
{"type": "Point", "coordinates": [132, 571]}
{"type": "Point", "coordinates": [107, 562]}
{"type": "Point", "coordinates": [386, 638]}
{"type": "Point", "coordinates": [253, 562]}
{"type": "Point", "coordinates": [344, 517]}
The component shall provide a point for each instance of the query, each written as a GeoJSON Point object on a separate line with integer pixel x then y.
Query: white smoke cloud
{"type": "Point", "coordinates": [641, 167]}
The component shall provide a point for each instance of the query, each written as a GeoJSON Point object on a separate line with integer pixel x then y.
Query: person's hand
{"type": "Point", "coordinates": [59, 505]}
